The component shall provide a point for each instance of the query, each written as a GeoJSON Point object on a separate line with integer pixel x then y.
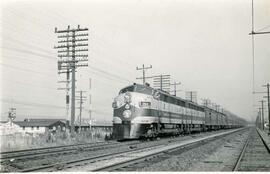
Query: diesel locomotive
{"type": "Point", "coordinates": [142, 111]}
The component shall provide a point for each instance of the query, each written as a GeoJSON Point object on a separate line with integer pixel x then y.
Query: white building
{"type": "Point", "coordinates": [41, 125]}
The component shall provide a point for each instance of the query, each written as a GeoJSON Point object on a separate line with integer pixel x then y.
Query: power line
{"type": "Point", "coordinates": [264, 28]}
{"type": "Point", "coordinates": [23, 69]}
{"type": "Point", "coordinates": [31, 104]}
{"type": "Point", "coordinates": [109, 74]}
{"type": "Point", "coordinates": [29, 52]}
{"type": "Point", "coordinates": [29, 84]}
{"type": "Point", "coordinates": [29, 46]}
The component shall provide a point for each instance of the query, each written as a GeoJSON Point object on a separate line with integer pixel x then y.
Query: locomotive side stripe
{"type": "Point", "coordinates": [137, 112]}
{"type": "Point", "coordinates": [156, 113]}
{"type": "Point", "coordinates": [151, 119]}
{"type": "Point", "coordinates": [162, 105]}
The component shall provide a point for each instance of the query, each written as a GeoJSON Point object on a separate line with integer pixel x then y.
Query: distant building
{"type": "Point", "coordinates": [42, 125]}
{"type": "Point", "coordinates": [39, 126]}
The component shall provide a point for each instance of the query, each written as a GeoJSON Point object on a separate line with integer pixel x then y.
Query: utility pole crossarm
{"type": "Point", "coordinates": [264, 32]}
{"type": "Point", "coordinates": [143, 70]}
{"type": "Point", "coordinates": [69, 30]}
{"type": "Point", "coordinates": [68, 46]}
{"type": "Point", "coordinates": [77, 35]}
{"type": "Point", "coordinates": [78, 55]}
{"type": "Point", "coordinates": [66, 41]}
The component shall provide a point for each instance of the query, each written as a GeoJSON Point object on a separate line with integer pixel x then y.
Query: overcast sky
{"type": "Point", "coordinates": [203, 44]}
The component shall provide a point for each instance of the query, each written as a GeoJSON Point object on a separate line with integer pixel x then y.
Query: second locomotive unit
{"type": "Point", "coordinates": [142, 111]}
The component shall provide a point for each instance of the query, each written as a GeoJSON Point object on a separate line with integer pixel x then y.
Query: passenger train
{"type": "Point", "coordinates": [140, 111]}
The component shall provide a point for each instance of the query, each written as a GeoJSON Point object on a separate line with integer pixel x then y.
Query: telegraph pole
{"type": "Point", "coordinates": [90, 113]}
{"type": "Point", "coordinates": [67, 88]}
{"type": "Point", "coordinates": [81, 101]}
{"type": "Point", "coordinates": [143, 70]}
{"type": "Point", "coordinates": [217, 107]}
{"type": "Point", "coordinates": [162, 82]}
{"type": "Point", "coordinates": [262, 113]}
{"type": "Point", "coordinates": [90, 102]}
{"type": "Point", "coordinates": [175, 84]}
{"type": "Point", "coordinates": [206, 102]}
{"type": "Point", "coordinates": [267, 85]}
{"type": "Point", "coordinates": [75, 43]}
{"type": "Point", "coordinates": [260, 117]}
{"type": "Point", "coordinates": [192, 96]}
{"type": "Point", "coordinates": [252, 33]}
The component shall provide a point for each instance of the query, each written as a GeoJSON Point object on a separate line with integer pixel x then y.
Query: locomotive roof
{"type": "Point", "coordinates": [175, 97]}
{"type": "Point", "coordinates": [129, 88]}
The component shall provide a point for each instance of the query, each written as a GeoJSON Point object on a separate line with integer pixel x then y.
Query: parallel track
{"type": "Point", "coordinates": [56, 150]}
{"type": "Point", "coordinates": [153, 150]}
{"type": "Point", "coordinates": [183, 148]}
{"type": "Point", "coordinates": [244, 151]}
{"type": "Point", "coordinates": [240, 157]}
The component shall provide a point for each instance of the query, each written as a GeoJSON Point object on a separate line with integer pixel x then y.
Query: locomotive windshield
{"type": "Point", "coordinates": [127, 89]}
{"type": "Point", "coordinates": [143, 89]}
{"type": "Point", "coordinates": [137, 88]}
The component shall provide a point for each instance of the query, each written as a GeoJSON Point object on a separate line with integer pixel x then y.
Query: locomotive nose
{"type": "Point", "coordinates": [122, 131]}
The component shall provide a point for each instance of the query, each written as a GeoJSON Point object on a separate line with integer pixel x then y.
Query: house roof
{"type": "Point", "coordinates": [38, 122]}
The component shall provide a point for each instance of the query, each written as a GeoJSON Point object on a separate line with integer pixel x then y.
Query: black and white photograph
{"type": "Point", "coordinates": [134, 86]}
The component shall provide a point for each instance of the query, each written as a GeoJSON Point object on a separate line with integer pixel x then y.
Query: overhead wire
{"type": "Point", "coordinates": [26, 51]}
{"type": "Point", "coordinates": [23, 69]}
{"type": "Point", "coordinates": [29, 52]}
{"type": "Point", "coordinates": [30, 84]}
{"type": "Point", "coordinates": [268, 26]}
{"type": "Point", "coordinates": [107, 75]}
{"type": "Point", "coordinates": [32, 104]}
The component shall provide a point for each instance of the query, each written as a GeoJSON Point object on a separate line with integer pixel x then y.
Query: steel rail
{"type": "Point", "coordinates": [35, 169]}
{"type": "Point", "coordinates": [237, 164]}
{"type": "Point", "coordinates": [265, 144]}
{"type": "Point", "coordinates": [240, 157]}
{"type": "Point", "coordinates": [142, 158]}
{"type": "Point", "coordinates": [52, 150]}
{"type": "Point", "coordinates": [45, 148]}
{"type": "Point", "coordinates": [103, 157]}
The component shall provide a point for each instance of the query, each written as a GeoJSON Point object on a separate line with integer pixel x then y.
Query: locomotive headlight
{"type": "Point", "coordinates": [127, 98]}
{"type": "Point", "coordinates": [127, 106]}
{"type": "Point", "coordinates": [127, 113]}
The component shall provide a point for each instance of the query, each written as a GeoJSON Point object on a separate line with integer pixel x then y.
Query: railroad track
{"type": "Point", "coordinates": [254, 156]}
{"type": "Point", "coordinates": [42, 153]}
{"type": "Point", "coordinates": [132, 164]}
{"type": "Point", "coordinates": [115, 160]}
{"type": "Point", "coordinates": [32, 153]}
